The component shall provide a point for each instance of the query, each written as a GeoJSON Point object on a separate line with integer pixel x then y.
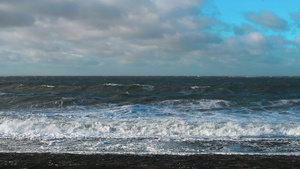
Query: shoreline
{"type": "Point", "coordinates": [78, 161]}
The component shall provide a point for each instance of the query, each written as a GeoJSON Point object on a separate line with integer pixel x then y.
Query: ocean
{"type": "Point", "coordinates": [150, 115]}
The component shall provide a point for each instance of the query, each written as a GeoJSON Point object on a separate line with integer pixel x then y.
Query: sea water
{"type": "Point", "coordinates": [150, 115]}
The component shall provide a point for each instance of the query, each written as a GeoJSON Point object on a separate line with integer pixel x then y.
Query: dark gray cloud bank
{"type": "Point", "coordinates": [128, 37]}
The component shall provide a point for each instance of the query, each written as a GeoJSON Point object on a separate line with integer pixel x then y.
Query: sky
{"type": "Point", "coordinates": [150, 37]}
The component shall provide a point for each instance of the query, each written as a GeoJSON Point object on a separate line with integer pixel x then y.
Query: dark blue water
{"type": "Point", "coordinates": [150, 115]}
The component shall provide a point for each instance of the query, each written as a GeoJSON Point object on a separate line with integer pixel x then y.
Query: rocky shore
{"type": "Point", "coordinates": [78, 161]}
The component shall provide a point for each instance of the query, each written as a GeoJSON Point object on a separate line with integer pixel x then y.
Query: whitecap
{"type": "Point", "coordinates": [48, 86]}
{"type": "Point", "coordinates": [5, 94]}
{"type": "Point", "coordinates": [113, 84]}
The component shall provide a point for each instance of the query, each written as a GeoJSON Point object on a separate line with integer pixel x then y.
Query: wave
{"type": "Point", "coordinates": [150, 114]}
{"type": "Point", "coordinates": [68, 132]}
{"type": "Point", "coordinates": [95, 124]}
{"type": "Point", "coordinates": [273, 111]}
{"type": "Point", "coordinates": [283, 102]}
{"type": "Point", "coordinates": [132, 86]}
{"type": "Point", "coordinates": [6, 94]}
{"type": "Point", "coordinates": [145, 87]}
{"type": "Point", "coordinates": [200, 87]}
{"type": "Point", "coordinates": [169, 126]}
{"type": "Point", "coordinates": [112, 84]}
{"type": "Point", "coordinates": [198, 104]}
{"type": "Point", "coordinates": [48, 86]}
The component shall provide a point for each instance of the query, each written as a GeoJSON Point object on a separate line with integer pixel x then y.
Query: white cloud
{"type": "Point", "coordinates": [150, 35]}
{"type": "Point", "coordinates": [267, 19]}
{"type": "Point", "coordinates": [255, 43]}
{"type": "Point", "coordinates": [297, 39]}
{"type": "Point", "coordinates": [85, 27]}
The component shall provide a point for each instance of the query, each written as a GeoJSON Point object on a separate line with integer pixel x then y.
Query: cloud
{"type": "Point", "coordinates": [297, 39]}
{"type": "Point", "coordinates": [58, 29]}
{"type": "Point", "coordinates": [14, 19]}
{"type": "Point", "coordinates": [268, 20]}
{"type": "Point", "coordinates": [243, 29]}
{"type": "Point", "coordinates": [295, 16]}
{"type": "Point", "coordinates": [242, 48]}
{"type": "Point", "coordinates": [129, 37]}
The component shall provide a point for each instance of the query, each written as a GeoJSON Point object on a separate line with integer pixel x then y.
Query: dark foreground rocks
{"type": "Point", "coordinates": [79, 161]}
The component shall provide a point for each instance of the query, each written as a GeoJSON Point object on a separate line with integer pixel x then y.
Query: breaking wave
{"type": "Point", "coordinates": [150, 115]}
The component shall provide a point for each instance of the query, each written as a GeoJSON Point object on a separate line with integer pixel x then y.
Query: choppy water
{"type": "Point", "coordinates": [150, 115]}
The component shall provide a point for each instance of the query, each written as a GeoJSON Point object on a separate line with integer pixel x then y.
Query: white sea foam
{"type": "Point", "coordinates": [132, 115]}
{"type": "Point", "coordinates": [170, 127]}
{"type": "Point", "coordinates": [145, 87]}
{"type": "Point", "coordinates": [5, 94]}
{"type": "Point", "coordinates": [49, 86]}
{"type": "Point", "coordinates": [200, 87]}
{"type": "Point", "coordinates": [68, 134]}
{"type": "Point", "coordinates": [113, 84]}
{"type": "Point", "coordinates": [174, 118]}
{"type": "Point", "coordinates": [68, 126]}
{"type": "Point", "coordinates": [285, 102]}
{"type": "Point", "coordinates": [198, 104]}
{"type": "Point", "coordinates": [148, 87]}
